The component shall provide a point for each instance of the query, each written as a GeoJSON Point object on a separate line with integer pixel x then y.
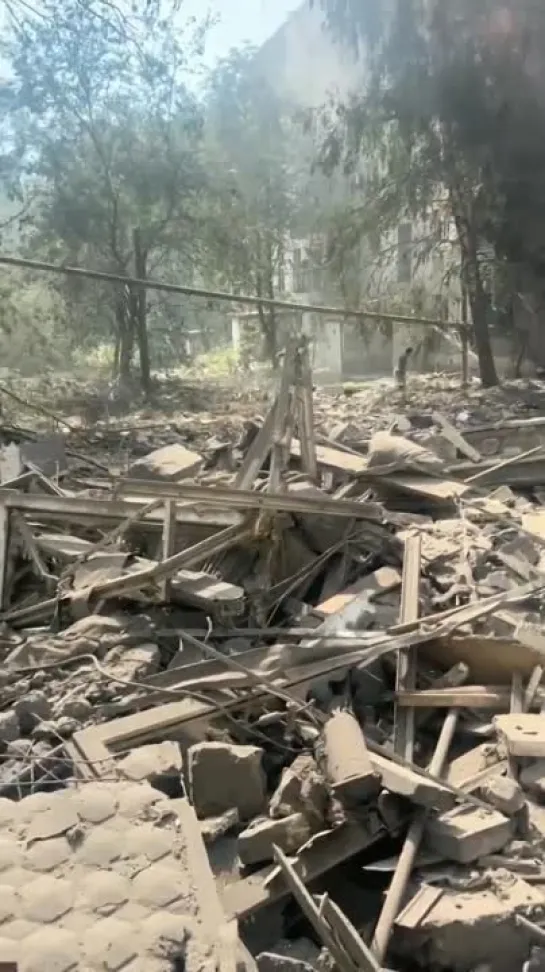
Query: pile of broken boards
{"type": "Point", "coordinates": [336, 654]}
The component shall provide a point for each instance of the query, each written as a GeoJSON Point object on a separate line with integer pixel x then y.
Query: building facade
{"type": "Point", "coordinates": [309, 68]}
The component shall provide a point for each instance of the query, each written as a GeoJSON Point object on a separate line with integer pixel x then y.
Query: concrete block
{"type": "Point", "coordinates": [159, 764]}
{"type": "Point", "coordinates": [255, 844]}
{"type": "Point", "coordinates": [466, 833]}
{"type": "Point", "coordinates": [504, 794]}
{"type": "Point", "coordinates": [133, 662]}
{"type": "Point", "coordinates": [32, 709]}
{"type": "Point", "coordinates": [406, 783]}
{"type": "Point", "coordinates": [470, 764]}
{"type": "Point", "coordinates": [523, 547]}
{"type": "Point", "coordinates": [466, 928]}
{"type": "Point", "coordinates": [532, 778]}
{"type": "Point", "coordinates": [170, 463]}
{"type": "Point", "coordinates": [524, 735]}
{"type": "Point", "coordinates": [215, 827]}
{"type": "Point", "coordinates": [223, 776]}
{"type": "Point", "coordinates": [301, 789]}
{"type": "Point", "coordinates": [9, 727]}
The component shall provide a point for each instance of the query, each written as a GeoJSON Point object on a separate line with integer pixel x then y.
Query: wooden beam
{"type": "Point", "coordinates": [407, 661]}
{"type": "Point", "coordinates": [469, 696]}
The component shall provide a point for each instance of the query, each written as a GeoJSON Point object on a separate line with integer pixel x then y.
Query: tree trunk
{"type": "Point", "coordinates": [267, 324]}
{"type": "Point", "coordinates": [126, 335]}
{"type": "Point", "coordinates": [479, 314]}
{"type": "Point", "coordinates": [270, 336]}
{"type": "Point", "coordinates": [475, 291]}
{"type": "Point", "coordinates": [141, 313]}
{"type": "Point", "coordinates": [117, 352]}
{"type": "Point", "coordinates": [272, 326]}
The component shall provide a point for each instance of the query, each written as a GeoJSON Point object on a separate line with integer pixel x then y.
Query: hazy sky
{"type": "Point", "coordinates": [240, 21]}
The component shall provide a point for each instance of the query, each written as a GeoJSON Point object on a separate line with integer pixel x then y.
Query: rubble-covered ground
{"type": "Point", "coordinates": [317, 636]}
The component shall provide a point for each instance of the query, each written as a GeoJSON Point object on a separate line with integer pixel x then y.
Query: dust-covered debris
{"type": "Point", "coordinates": [230, 603]}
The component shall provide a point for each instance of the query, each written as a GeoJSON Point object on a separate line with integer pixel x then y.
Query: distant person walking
{"type": "Point", "coordinates": [400, 373]}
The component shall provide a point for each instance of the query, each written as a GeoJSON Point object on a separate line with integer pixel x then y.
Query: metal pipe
{"type": "Point", "coordinates": [171, 288]}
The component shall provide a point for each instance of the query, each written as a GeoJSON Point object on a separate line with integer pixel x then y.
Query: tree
{"type": "Point", "coordinates": [107, 135]}
{"type": "Point", "coordinates": [256, 161]}
{"type": "Point", "coordinates": [429, 65]}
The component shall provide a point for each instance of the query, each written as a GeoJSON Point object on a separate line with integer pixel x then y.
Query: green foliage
{"type": "Point", "coordinates": [220, 363]}
{"type": "Point", "coordinates": [255, 157]}
{"type": "Point", "coordinates": [33, 334]}
{"type": "Point", "coordinates": [452, 116]}
{"type": "Point", "coordinates": [103, 136]}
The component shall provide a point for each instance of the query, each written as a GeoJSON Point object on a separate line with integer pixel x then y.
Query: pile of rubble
{"type": "Point", "coordinates": [319, 657]}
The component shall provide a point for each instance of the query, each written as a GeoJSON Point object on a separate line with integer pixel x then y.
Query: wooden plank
{"type": "Point", "coordinates": [169, 541]}
{"type": "Point", "coordinates": [283, 420]}
{"type": "Point", "coordinates": [415, 912]}
{"type": "Point", "coordinates": [516, 702]}
{"type": "Point", "coordinates": [223, 932]}
{"type": "Point", "coordinates": [191, 557]}
{"type": "Point", "coordinates": [306, 413]}
{"type": "Point", "coordinates": [532, 688]}
{"type": "Point", "coordinates": [407, 661]}
{"type": "Point", "coordinates": [455, 437]}
{"type": "Point", "coordinates": [346, 933]}
{"type": "Point", "coordinates": [398, 885]}
{"type": "Point", "coordinates": [72, 509]}
{"type": "Point", "coordinates": [470, 696]}
{"type": "Point", "coordinates": [258, 452]}
{"type": "Point", "coordinates": [325, 852]}
{"type": "Point", "coordinates": [312, 912]}
{"type": "Point", "coordinates": [403, 781]}
{"type": "Point", "coordinates": [4, 552]}
{"type": "Point", "coordinates": [490, 660]}
{"type": "Point", "coordinates": [240, 499]}
{"type": "Point", "coordinates": [434, 490]}
{"type": "Point", "coordinates": [341, 462]}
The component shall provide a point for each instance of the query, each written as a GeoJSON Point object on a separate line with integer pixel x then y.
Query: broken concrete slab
{"type": "Point", "coordinates": [256, 843]}
{"type": "Point", "coordinates": [132, 663]}
{"type": "Point", "coordinates": [394, 453]}
{"type": "Point", "coordinates": [532, 779]}
{"type": "Point", "coordinates": [47, 454]}
{"type": "Point", "coordinates": [223, 776]}
{"type": "Point", "coordinates": [466, 928]}
{"type": "Point", "coordinates": [404, 782]}
{"type": "Point", "coordinates": [9, 727]}
{"type": "Point", "coordinates": [504, 794]}
{"type": "Point", "coordinates": [522, 547]}
{"type": "Point", "coordinates": [301, 789]}
{"type": "Point", "coordinates": [160, 765]}
{"type": "Point", "coordinates": [215, 827]}
{"type": "Point", "coordinates": [32, 709]}
{"type": "Point", "coordinates": [523, 734]}
{"type": "Point", "coordinates": [466, 833]}
{"type": "Point", "coordinates": [170, 463]}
